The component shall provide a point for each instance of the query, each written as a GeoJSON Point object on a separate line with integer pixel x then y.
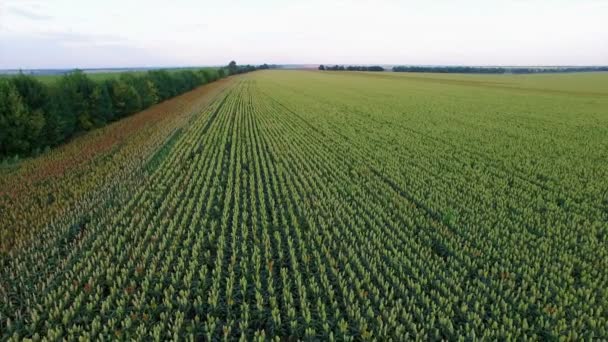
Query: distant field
{"type": "Point", "coordinates": [318, 206]}
{"type": "Point", "coordinates": [98, 76]}
{"type": "Point", "coordinates": [101, 76]}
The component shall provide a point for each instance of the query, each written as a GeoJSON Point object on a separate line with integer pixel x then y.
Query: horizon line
{"type": "Point", "coordinates": [307, 64]}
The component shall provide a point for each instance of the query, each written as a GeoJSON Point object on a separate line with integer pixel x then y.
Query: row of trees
{"type": "Point", "coordinates": [35, 115]}
{"type": "Point", "coordinates": [493, 70]}
{"type": "Point", "coordinates": [351, 68]}
{"type": "Point", "coordinates": [233, 68]}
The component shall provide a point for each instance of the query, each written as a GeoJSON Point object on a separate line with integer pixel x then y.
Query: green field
{"type": "Point", "coordinates": [325, 206]}
{"type": "Point", "coordinates": [103, 76]}
{"type": "Point", "coordinates": [97, 76]}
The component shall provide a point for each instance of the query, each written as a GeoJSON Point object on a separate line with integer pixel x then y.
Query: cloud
{"type": "Point", "coordinates": [190, 32]}
{"type": "Point", "coordinates": [71, 50]}
{"type": "Point", "coordinates": [28, 14]}
{"type": "Point", "coordinates": [75, 38]}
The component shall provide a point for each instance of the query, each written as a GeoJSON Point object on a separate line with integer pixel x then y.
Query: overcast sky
{"type": "Point", "coordinates": [128, 33]}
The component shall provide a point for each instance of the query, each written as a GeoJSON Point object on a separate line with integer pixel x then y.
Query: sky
{"type": "Point", "coordinates": [38, 34]}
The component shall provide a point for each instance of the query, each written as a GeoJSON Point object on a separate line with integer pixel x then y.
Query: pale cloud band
{"type": "Point", "coordinates": [118, 33]}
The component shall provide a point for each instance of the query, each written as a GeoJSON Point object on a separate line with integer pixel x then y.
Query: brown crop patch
{"type": "Point", "coordinates": [43, 189]}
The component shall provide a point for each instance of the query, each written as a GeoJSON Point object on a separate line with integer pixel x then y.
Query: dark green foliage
{"type": "Point", "coordinates": [352, 68]}
{"type": "Point", "coordinates": [202, 77]}
{"type": "Point", "coordinates": [145, 88]}
{"type": "Point", "coordinates": [35, 98]}
{"type": "Point", "coordinates": [75, 92]}
{"type": "Point", "coordinates": [19, 128]}
{"type": "Point", "coordinates": [232, 68]}
{"type": "Point", "coordinates": [125, 99]}
{"type": "Point", "coordinates": [103, 111]}
{"type": "Point", "coordinates": [163, 82]}
{"type": "Point", "coordinates": [492, 70]}
{"type": "Point", "coordinates": [365, 68]}
{"type": "Point", "coordinates": [186, 80]}
{"type": "Point", "coordinates": [33, 92]}
{"type": "Point", "coordinates": [53, 131]}
{"type": "Point", "coordinates": [34, 115]}
{"type": "Point", "coordinates": [451, 69]}
{"type": "Point", "coordinates": [212, 75]}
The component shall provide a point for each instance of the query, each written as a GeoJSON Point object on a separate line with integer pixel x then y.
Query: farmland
{"type": "Point", "coordinates": [51, 77]}
{"type": "Point", "coordinates": [321, 206]}
{"type": "Point", "coordinates": [98, 77]}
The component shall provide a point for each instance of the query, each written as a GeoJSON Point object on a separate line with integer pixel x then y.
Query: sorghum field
{"type": "Point", "coordinates": [321, 206]}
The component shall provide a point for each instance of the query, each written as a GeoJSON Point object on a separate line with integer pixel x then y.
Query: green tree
{"type": "Point", "coordinates": [221, 73]}
{"type": "Point", "coordinates": [185, 80]}
{"type": "Point", "coordinates": [74, 101]}
{"type": "Point", "coordinates": [232, 68]}
{"type": "Point", "coordinates": [144, 86]}
{"type": "Point", "coordinates": [19, 129]}
{"type": "Point", "coordinates": [149, 93]}
{"type": "Point", "coordinates": [35, 97]}
{"type": "Point", "coordinates": [164, 84]}
{"type": "Point", "coordinates": [125, 99]}
{"type": "Point", "coordinates": [33, 92]}
{"type": "Point", "coordinates": [102, 110]}
{"type": "Point", "coordinates": [203, 77]}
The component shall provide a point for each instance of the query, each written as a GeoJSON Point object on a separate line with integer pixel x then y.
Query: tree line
{"type": "Point", "coordinates": [35, 116]}
{"type": "Point", "coordinates": [493, 70]}
{"type": "Point", "coordinates": [351, 68]}
{"type": "Point", "coordinates": [464, 69]}
{"type": "Point", "coordinates": [233, 68]}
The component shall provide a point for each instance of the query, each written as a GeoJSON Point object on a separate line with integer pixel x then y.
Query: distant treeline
{"type": "Point", "coordinates": [493, 70]}
{"type": "Point", "coordinates": [464, 69]}
{"type": "Point", "coordinates": [35, 115]}
{"type": "Point", "coordinates": [351, 68]}
{"type": "Point", "coordinates": [239, 69]}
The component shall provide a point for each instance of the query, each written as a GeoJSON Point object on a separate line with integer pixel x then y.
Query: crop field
{"type": "Point", "coordinates": [100, 76]}
{"type": "Point", "coordinates": [305, 205]}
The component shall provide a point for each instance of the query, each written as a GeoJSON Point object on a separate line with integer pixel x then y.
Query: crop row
{"type": "Point", "coordinates": [277, 214]}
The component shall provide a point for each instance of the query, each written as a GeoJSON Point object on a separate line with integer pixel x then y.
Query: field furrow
{"type": "Point", "coordinates": [294, 205]}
